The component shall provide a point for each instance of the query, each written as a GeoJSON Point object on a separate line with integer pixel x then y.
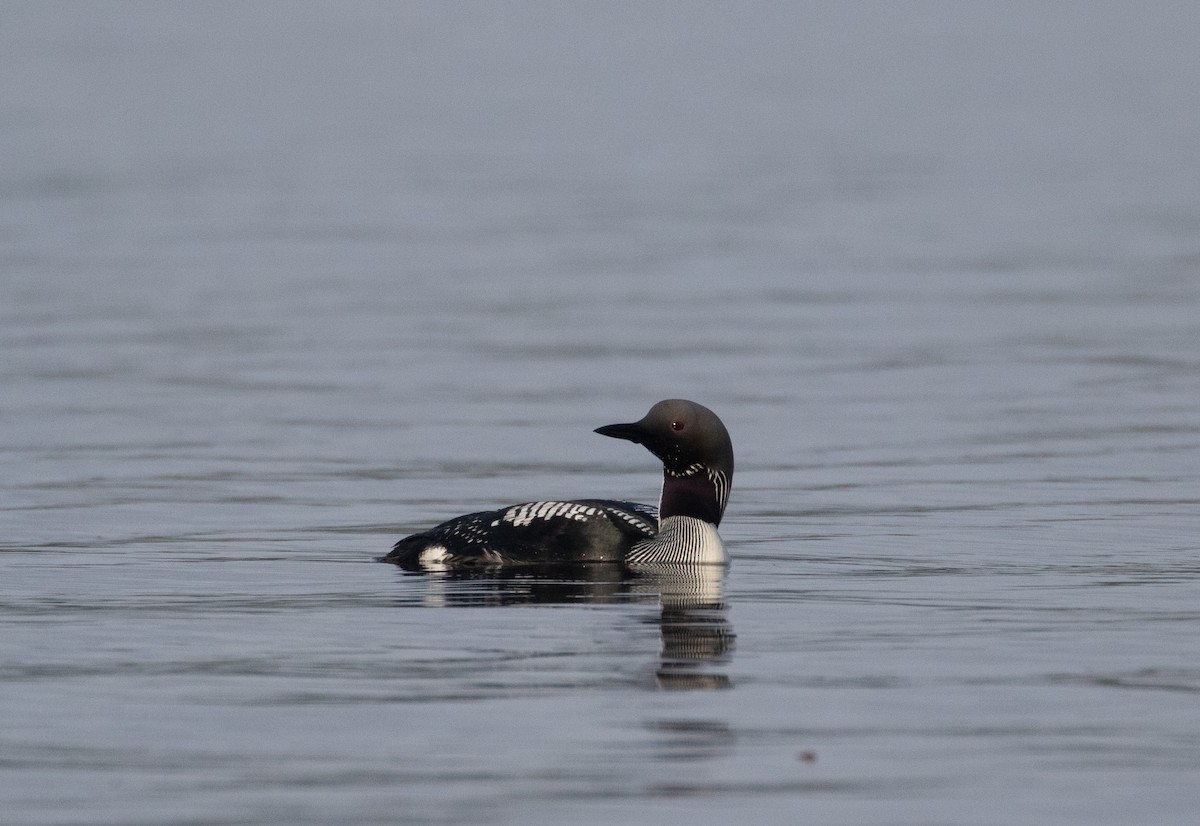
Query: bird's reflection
{"type": "Point", "coordinates": [696, 633]}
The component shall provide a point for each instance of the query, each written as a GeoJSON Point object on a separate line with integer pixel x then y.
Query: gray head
{"type": "Point", "coordinates": [696, 453]}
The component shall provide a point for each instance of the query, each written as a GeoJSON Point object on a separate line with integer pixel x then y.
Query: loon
{"type": "Point", "coordinates": [697, 458]}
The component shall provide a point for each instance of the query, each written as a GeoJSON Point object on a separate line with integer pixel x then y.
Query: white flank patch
{"type": "Point", "coordinates": [434, 555]}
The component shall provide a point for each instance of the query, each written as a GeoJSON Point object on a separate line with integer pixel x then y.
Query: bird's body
{"type": "Point", "coordinates": [548, 533]}
{"type": "Point", "coordinates": [697, 461]}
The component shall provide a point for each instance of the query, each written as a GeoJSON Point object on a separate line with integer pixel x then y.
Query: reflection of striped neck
{"type": "Point", "coordinates": [696, 491]}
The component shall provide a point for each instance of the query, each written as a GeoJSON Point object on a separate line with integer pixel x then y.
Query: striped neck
{"type": "Point", "coordinates": [696, 491]}
{"type": "Point", "coordinates": [682, 540]}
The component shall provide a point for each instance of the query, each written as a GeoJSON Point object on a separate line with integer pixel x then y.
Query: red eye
{"type": "Point", "coordinates": [677, 426]}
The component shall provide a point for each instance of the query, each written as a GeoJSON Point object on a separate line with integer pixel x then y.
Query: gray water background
{"type": "Point", "coordinates": [282, 282]}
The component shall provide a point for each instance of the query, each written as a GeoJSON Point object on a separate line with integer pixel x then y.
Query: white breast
{"type": "Point", "coordinates": [683, 539]}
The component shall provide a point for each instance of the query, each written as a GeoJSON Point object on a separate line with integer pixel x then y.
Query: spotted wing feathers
{"type": "Point", "coordinates": [541, 533]}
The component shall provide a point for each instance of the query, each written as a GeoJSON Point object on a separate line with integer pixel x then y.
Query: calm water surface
{"type": "Point", "coordinates": [282, 283]}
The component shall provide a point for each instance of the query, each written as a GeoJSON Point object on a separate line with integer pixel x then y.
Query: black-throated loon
{"type": "Point", "coordinates": [697, 458]}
